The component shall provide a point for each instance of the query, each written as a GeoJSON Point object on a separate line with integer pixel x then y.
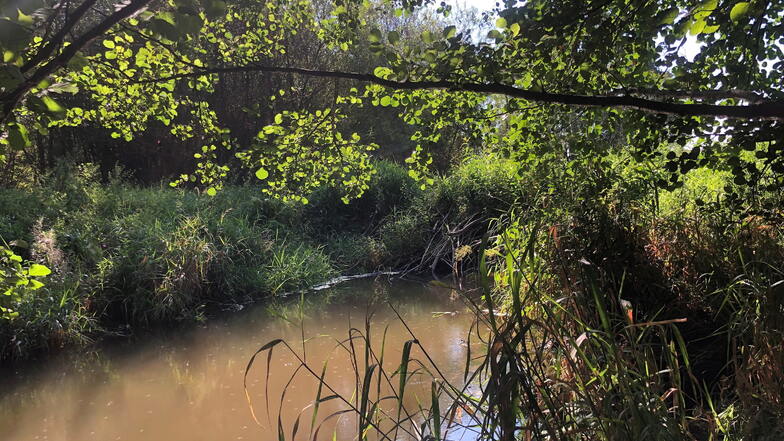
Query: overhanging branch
{"type": "Point", "coordinates": [59, 38]}
{"type": "Point", "coordinates": [10, 99]}
{"type": "Point", "coordinates": [771, 110]}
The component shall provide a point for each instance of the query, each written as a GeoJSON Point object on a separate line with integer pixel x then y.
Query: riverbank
{"type": "Point", "coordinates": [124, 257]}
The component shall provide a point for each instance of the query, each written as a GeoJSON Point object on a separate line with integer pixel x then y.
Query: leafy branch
{"type": "Point", "coordinates": [769, 110]}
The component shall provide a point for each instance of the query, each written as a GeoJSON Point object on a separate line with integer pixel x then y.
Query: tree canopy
{"type": "Point", "coordinates": [604, 65]}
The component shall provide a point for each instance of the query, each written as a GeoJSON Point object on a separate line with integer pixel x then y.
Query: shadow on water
{"type": "Point", "coordinates": [187, 383]}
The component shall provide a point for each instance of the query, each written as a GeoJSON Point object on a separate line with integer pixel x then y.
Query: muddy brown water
{"type": "Point", "coordinates": [188, 384]}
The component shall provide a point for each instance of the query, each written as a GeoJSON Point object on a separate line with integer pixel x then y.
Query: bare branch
{"type": "Point", "coordinates": [704, 95]}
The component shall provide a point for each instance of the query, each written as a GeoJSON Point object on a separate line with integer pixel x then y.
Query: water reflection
{"type": "Point", "coordinates": [189, 385]}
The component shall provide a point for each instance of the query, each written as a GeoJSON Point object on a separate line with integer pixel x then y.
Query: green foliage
{"type": "Point", "coordinates": [675, 210]}
{"type": "Point", "coordinates": [600, 362]}
{"type": "Point", "coordinates": [390, 188]}
{"type": "Point", "coordinates": [356, 253]}
{"type": "Point", "coordinates": [161, 66]}
{"type": "Point", "coordinates": [292, 267]}
{"type": "Point", "coordinates": [17, 279]}
{"type": "Point", "coordinates": [150, 255]}
{"type": "Point", "coordinates": [304, 151]}
{"type": "Point", "coordinates": [480, 189]}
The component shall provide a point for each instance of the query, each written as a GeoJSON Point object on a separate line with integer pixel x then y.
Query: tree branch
{"type": "Point", "coordinates": [771, 110]}
{"type": "Point", "coordinates": [11, 98]}
{"type": "Point", "coordinates": [710, 95]}
{"type": "Point", "coordinates": [58, 38]}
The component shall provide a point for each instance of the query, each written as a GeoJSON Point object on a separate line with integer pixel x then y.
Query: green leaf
{"type": "Point", "coordinates": [109, 44]}
{"type": "Point", "coordinates": [669, 16]}
{"type": "Point", "coordinates": [45, 104]}
{"type": "Point", "coordinates": [278, 118]}
{"type": "Point", "coordinates": [24, 19]}
{"type": "Point", "coordinates": [697, 27]}
{"type": "Point", "coordinates": [262, 174]}
{"type": "Point", "coordinates": [382, 72]}
{"type": "Point", "coordinates": [52, 106]}
{"type": "Point", "coordinates": [450, 31]}
{"type": "Point", "coordinates": [18, 137]}
{"type": "Point", "coordinates": [13, 36]}
{"type": "Point", "coordinates": [37, 270]}
{"type": "Point", "coordinates": [705, 9]}
{"type": "Point", "coordinates": [434, 408]}
{"type": "Point", "coordinates": [211, 191]}
{"type": "Point", "coordinates": [710, 29]}
{"type": "Point", "coordinates": [739, 10]}
{"type": "Point", "coordinates": [500, 23]}
{"type": "Point", "coordinates": [393, 37]}
{"type": "Point", "coordinates": [374, 36]}
{"type": "Point", "coordinates": [494, 34]}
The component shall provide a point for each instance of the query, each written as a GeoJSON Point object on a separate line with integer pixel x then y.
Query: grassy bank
{"type": "Point", "coordinates": [123, 257]}
{"type": "Point", "coordinates": [637, 313]}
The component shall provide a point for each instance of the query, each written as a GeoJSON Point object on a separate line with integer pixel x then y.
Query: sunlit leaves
{"type": "Point", "coordinates": [739, 10]}
{"type": "Point", "coordinates": [37, 270]}
{"type": "Point", "coordinates": [17, 278]}
{"type": "Point", "coordinates": [305, 150]}
{"type": "Point", "coordinates": [149, 71]}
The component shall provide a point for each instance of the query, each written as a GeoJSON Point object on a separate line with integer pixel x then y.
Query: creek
{"type": "Point", "coordinates": [187, 384]}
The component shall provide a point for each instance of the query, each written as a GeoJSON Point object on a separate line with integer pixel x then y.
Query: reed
{"type": "Point", "coordinates": [572, 366]}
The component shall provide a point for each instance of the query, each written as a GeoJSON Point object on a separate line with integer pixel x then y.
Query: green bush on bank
{"type": "Point", "coordinates": [123, 255]}
{"type": "Point", "coordinates": [478, 190]}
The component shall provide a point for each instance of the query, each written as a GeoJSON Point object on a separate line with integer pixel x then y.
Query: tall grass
{"type": "Point", "coordinates": [573, 367]}
{"type": "Point", "coordinates": [124, 256]}
{"type": "Point", "coordinates": [609, 311]}
{"type": "Point", "coordinates": [131, 256]}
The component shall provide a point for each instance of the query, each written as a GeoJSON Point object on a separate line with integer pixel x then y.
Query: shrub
{"type": "Point", "coordinates": [390, 189]}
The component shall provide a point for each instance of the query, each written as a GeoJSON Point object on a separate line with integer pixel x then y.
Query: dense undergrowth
{"type": "Point", "coordinates": [123, 256]}
{"type": "Point", "coordinates": [612, 311]}
{"type": "Point", "coordinates": [635, 313]}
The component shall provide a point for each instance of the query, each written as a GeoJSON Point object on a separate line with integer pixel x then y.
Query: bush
{"type": "Point", "coordinates": [390, 189]}
{"type": "Point", "coordinates": [126, 255]}
{"type": "Point", "coordinates": [480, 189]}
